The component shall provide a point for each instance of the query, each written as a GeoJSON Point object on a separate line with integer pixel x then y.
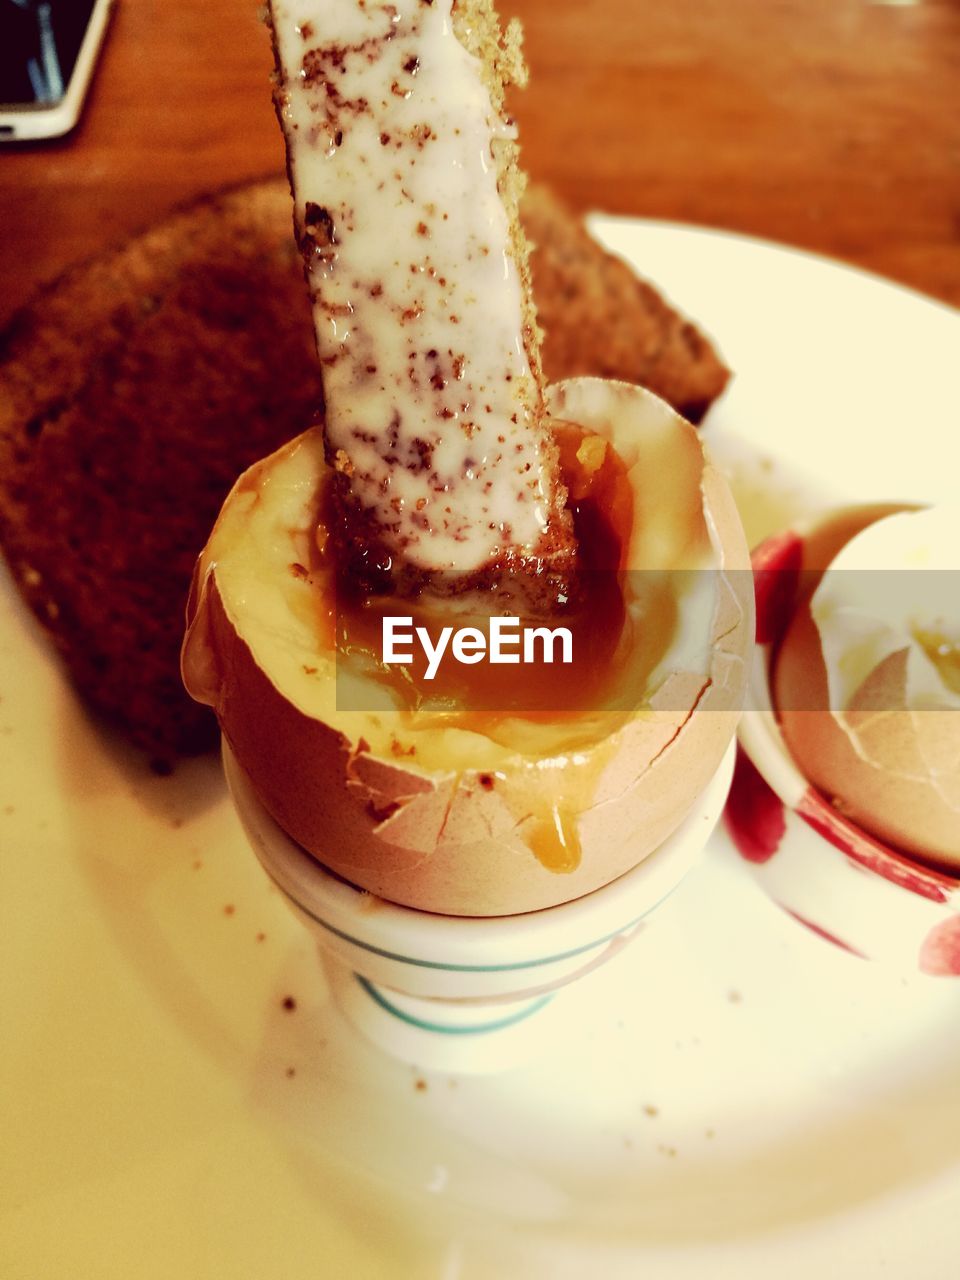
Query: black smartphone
{"type": "Point", "coordinates": [48, 50]}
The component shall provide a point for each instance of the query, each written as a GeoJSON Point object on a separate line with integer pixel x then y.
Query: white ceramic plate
{"type": "Point", "coordinates": [738, 1099]}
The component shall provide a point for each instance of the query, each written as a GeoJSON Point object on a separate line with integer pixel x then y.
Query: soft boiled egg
{"type": "Point", "coordinates": [456, 810]}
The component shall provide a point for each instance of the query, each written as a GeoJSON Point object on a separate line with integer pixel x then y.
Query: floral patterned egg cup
{"type": "Point", "coordinates": [824, 870]}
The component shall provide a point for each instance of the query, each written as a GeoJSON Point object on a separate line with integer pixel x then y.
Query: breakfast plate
{"type": "Point", "coordinates": [179, 1095]}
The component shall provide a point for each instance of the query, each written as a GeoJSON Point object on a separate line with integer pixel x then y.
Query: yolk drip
{"type": "Point", "coordinates": [555, 841]}
{"type": "Point", "coordinates": [562, 790]}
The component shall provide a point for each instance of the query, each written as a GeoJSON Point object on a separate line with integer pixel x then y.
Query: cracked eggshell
{"type": "Point", "coordinates": [892, 769]}
{"type": "Point", "coordinates": [439, 819]}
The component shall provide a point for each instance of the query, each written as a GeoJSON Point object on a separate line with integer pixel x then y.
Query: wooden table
{"type": "Point", "coordinates": [830, 124]}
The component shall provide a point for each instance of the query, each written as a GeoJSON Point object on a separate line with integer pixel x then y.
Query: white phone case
{"type": "Point", "coordinates": [23, 123]}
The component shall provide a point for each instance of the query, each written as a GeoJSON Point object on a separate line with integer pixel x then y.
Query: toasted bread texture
{"type": "Point", "coordinates": [135, 388]}
{"type": "Point", "coordinates": [599, 318]}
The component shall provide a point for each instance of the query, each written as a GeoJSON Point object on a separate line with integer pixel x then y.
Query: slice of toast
{"type": "Point", "coordinates": [405, 179]}
{"type": "Point", "coordinates": [121, 389]}
{"type": "Point", "coordinates": [599, 318]}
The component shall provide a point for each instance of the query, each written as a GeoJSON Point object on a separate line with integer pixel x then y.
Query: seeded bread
{"type": "Point", "coordinates": [134, 389]}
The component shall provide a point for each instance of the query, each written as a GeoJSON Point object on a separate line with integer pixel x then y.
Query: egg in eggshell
{"type": "Point", "coordinates": [448, 814]}
{"type": "Point", "coordinates": [870, 715]}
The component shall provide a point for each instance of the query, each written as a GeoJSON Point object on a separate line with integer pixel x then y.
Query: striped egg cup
{"type": "Point", "coordinates": [824, 870]}
{"type": "Point", "coordinates": [461, 993]}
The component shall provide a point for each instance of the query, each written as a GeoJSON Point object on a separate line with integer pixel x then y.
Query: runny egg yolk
{"type": "Point", "coordinates": [601, 504]}
{"type": "Point", "coordinates": [481, 697]}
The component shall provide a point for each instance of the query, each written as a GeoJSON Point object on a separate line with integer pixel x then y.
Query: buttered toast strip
{"type": "Point", "coordinates": [403, 169]}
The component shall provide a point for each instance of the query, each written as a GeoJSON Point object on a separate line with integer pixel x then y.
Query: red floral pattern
{"type": "Point", "coordinates": [754, 815]}
{"type": "Point", "coordinates": [776, 576]}
{"type": "Point", "coordinates": [819, 930]}
{"type": "Point", "coordinates": [872, 854]}
{"type": "Point", "coordinates": [940, 953]}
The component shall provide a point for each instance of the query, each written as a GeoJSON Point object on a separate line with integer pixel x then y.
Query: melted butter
{"type": "Point", "coordinates": [417, 300]}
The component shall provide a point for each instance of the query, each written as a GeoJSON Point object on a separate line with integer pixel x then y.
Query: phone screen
{"type": "Point", "coordinates": [39, 44]}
